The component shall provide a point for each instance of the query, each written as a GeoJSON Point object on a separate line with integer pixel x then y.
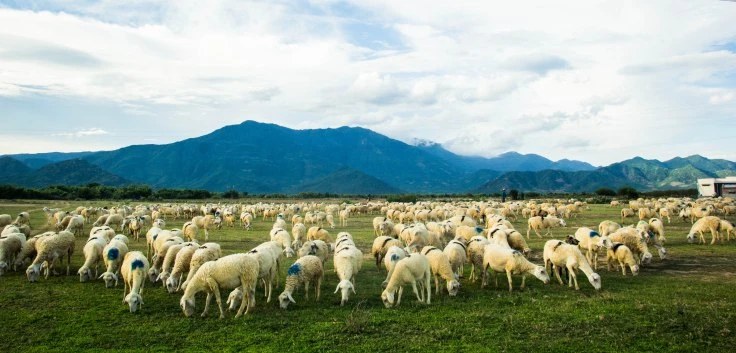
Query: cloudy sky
{"type": "Point", "coordinates": [599, 81]}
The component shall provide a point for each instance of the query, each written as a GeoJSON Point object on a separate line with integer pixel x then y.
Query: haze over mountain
{"type": "Point", "coordinates": [267, 158]}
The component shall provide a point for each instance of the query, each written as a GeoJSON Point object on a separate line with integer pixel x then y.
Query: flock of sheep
{"type": "Point", "coordinates": [415, 244]}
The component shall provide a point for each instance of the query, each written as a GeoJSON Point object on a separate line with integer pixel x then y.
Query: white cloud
{"type": "Point", "coordinates": [598, 80]}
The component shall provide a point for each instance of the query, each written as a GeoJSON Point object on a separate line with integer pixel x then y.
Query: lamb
{"type": "Point", "coordinates": [228, 272]}
{"type": "Point", "coordinates": [299, 232]}
{"type": "Point", "coordinates": [317, 248]}
{"type": "Point", "coordinates": [283, 238]}
{"type": "Point", "coordinates": [440, 266]}
{"type": "Point", "coordinates": [381, 245]}
{"type": "Point", "coordinates": [181, 265]}
{"type": "Point", "coordinates": [133, 269]}
{"type": "Point", "coordinates": [10, 246]}
{"type": "Point", "coordinates": [502, 259]}
{"type": "Point", "coordinates": [318, 233]}
{"type": "Point", "coordinates": [306, 269]}
{"type": "Point", "coordinates": [456, 252]}
{"type": "Point", "coordinates": [624, 256]}
{"type": "Point", "coordinates": [93, 250]}
{"type": "Point", "coordinates": [703, 225]}
{"type": "Point", "coordinates": [207, 252]}
{"type": "Point", "coordinates": [607, 227]}
{"type": "Point", "coordinates": [348, 261]}
{"type": "Point", "coordinates": [49, 250]}
{"type": "Point", "coordinates": [539, 222]}
{"type": "Point", "coordinates": [113, 254]}
{"type": "Point", "coordinates": [634, 241]}
{"type": "Point", "coordinates": [476, 247]}
{"type": "Point", "coordinates": [410, 270]}
{"type": "Point", "coordinates": [591, 241]}
{"type": "Point", "coordinates": [560, 254]}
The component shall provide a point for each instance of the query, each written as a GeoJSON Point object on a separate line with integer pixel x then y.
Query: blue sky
{"type": "Point", "coordinates": [599, 81]}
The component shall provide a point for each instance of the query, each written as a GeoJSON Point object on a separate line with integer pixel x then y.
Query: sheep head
{"type": "Point", "coordinates": [111, 280]}
{"type": "Point", "coordinates": [346, 286]}
{"type": "Point", "coordinates": [187, 306]}
{"type": "Point", "coordinates": [541, 274]}
{"type": "Point", "coordinates": [85, 274]}
{"type": "Point", "coordinates": [153, 274]}
{"type": "Point", "coordinates": [453, 287]}
{"type": "Point", "coordinates": [234, 299]}
{"type": "Point", "coordinates": [33, 272]}
{"type": "Point", "coordinates": [284, 300]}
{"type": "Point", "coordinates": [388, 298]}
{"type": "Point", "coordinates": [172, 283]}
{"type": "Point", "coordinates": [691, 238]}
{"type": "Point", "coordinates": [635, 270]}
{"type": "Point", "coordinates": [134, 300]}
{"type": "Point", "coordinates": [595, 280]}
{"type": "Point", "coordinates": [3, 267]}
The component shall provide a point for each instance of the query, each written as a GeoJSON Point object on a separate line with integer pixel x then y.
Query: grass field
{"type": "Point", "coordinates": [686, 303]}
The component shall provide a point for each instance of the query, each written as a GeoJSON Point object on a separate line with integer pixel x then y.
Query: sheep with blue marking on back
{"type": "Point", "coordinates": [559, 254]}
{"type": "Point", "coordinates": [381, 244]}
{"type": "Point", "coordinates": [411, 270]}
{"type": "Point", "coordinates": [393, 255]}
{"type": "Point", "coordinates": [591, 241]}
{"type": "Point", "coordinates": [306, 269]}
{"type": "Point", "coordinates": [113, 254]}
{"type": "Point", "coordinates": [468, 232]}
{"type": "Point", "coordinates": [134, 269]}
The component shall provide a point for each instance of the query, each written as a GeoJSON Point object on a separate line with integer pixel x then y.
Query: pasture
{"type": "Point", "coordinates": [683, 304]}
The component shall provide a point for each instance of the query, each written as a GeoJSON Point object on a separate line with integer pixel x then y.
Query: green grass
{"type": "Point", "coordinates": [685, 304]}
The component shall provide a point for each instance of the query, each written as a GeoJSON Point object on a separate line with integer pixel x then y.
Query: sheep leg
{"type": "Point", "coordinates": [306, 290]}
{"type": "Point", "coordinates": [713, 232]}
{"type": "Point", "coordinates": [428, 286]}
{"type": "Point", "coordinates": [572, 276]}
{"type": "Point", "coordinates": [623, 267]}
{"type": "Point", "coordinates": [245, 303]}
{"type": "Point", "coordinates": [319, 285]}
{"type": "Point", "coordinates": [401, 291]}
{"type": "Point", "coordinates": [420, 297]}
{"type": "Point", "coordinates": [508, 274]}
{"type": "Point", "coordinates": [556, 270]}
{"type": "Point", "coordinates": [207, 304]}
{"type": "Point", "coordinates": [436, 285]}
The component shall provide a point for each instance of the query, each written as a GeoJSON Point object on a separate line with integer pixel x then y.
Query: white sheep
{"type": "Point", "coordinates": [330, 220]}
{"type": "Point", "coordinates": [113, 254]}
{"type": "Point", "coordinates": [468, 232]}
{"type": "Point", "coordinates": [228, 272]}
{"type": "Point", "coordinates": [317, 248]}
{"type": "Point", "coordinates": [393, 255]}
{"type": "Point", "coordinates": [133, 270]}
{"type": "Point", "coordinates": [28, 252]}
{"type": "Point", "coordinates": [624, 256]}
{"type": "Point", "coordinates": [92, 250]}
{"type": "Point", "coordinates": [726, 227]}
{"type": "Point", "coordinates": [280, 222]}
{"type": "Point", "coordinates": [516, 241]}
{"type": "Point", "coordinates": [306, 269]}
{"type": "Point", "coordinates": [501, 259]}
{"type": "Point", "coordinates": [207, 252]}
{"type": "Point", "coordinates": [299, 233]}
{"type": "Point", "coordinates": [381, 244]}
{"type": "Point", "coordinates": [10, 246]}
{"type": "Point", "coordinates": [268, 255]}
{"type": "Point", "coordinates": [5, 219]}
{"type": "Point", "coordinates": [560, 255]}
{"type": "Point", "coordinates": [476, 247]}
{"type": "Point", "coordinates": [702, 225]}
{"type": "Point", "coordinates": [190, 231]}
{"type": "Point", "coordinates": [158, 259]}
{"type": "Point", "coordinates": [456, 252]}
{"type": "Point", "coordinates": [49, 250]}
{"type": "Point", "coordinates": [318, 233]}
{"type": "Point", "coordinates": [348, 261]}
{"type": "Point", "coordinates": [246, 219]}
{"type": "Point", "coordinates": [23, 218]}
{"type": "Point", "coordinates": [440, 266]}
{"type": "Point", "coordinates": [411, 270]}
{"type": "Point", "coordinates": [102, 231]}
{"type": "Point", "coordinates": [283, 238]}
{"type": "Point", "coordinates": [76, 225]}
{"type": "Point", "coordinates": [114, 219]}
{"type": "Point", "coordinates": [169, 260]}
{"type": "Point", "coordinates": [634, 240]}
{"type": "Point", "coordinates": [591, 242]}
{"type": "Point", "coordinates": [547, 223]}
{"type": "Point", "coordinates": [607, 227]}
{"type": "Point", "coordinates": [181, 265]}
{"type": "Point", "coordinates": [100, 221]}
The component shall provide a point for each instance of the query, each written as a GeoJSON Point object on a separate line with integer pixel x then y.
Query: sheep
{"type": "Point", "coordinates": [113, 254]}
{"type": "Point", "coordinates": [103, 231]}
{"type": "Point", "coordinates": [133, 269]}
{"type": "Point", "coordinates": [10, 246]}
{"type": "Point", "coordinates": [456, 252]}
{"type": "Point", "coordinates": [726, 227]}
{"type": "Point", "coordinates": [114, 219]}
{"type": "Point", "coordinates": [475, 247]}
{"type": "Point", "coordinates": [318, 233]}
{"type": "Point", "coordinates": [154, 272]}
{"type": "Point", "coordinates": [343, 239]}
{"type": "Point", "coordinates": [624, 256]}
{"type": "Point", "coordinates": [228, 272]}
{"type": "Point", "coordinates": [344, 215]}
{"type": "Point", "coordinates": [664, 212]}
{"type": "Point", "coordinates": [348, 261]}
{"type": "Point", "coordinates": [299, 232]}
{"type": "Point", "coordinates": [317, 248]}
{"type": "Point", "coordinates": [5, 219]}
{"type": "Point", "coordinates": [539, 222]}
{"type": "Point", "coordinates": [207, 252]}
{"type": "Point", "coordinates": [76, 225]}
{"type": "Point", "coordinates": [92, 250]}
{"type": "Point", "coordinates": [306, 269]}
{"type": "Point", "coordinates": [190, 231]}
{"type": "Point", "coordinates": [381, 244]}
{"type": "Point", "coordinates": [50, 249]}
{"type": "Point", "coordinates": [516, 241]}
{"type": "Point", "coordinates": [502, 259]}
{"type": "Point", "coordinates": [204, 222]}
{"type": "Point", "coordinates": [607, 227]}
{"type": "Point", "coordinates": [181, 265]}
{"type": "Point", "coordinates": [417, 237]}
{"type": "Point", "coordinates": [468, 232]}
{"type": "Point", "coordinates": [268, 255]}
{"type": "Point", "coordinates": [393, 255]}
{"type": "Point", "coordinates": [440, 266]}
{"type": "Point", "coordinates": [462, 220]}
{"type": "Point", "coordinates": [591, 241]}
{"type": "Point", "coordinates": [330, 220]}
{"type": "Point", "coordinates": [28, 252]}
{"type": "Point", "coordinates": [246, 219]}
{"type": "Point", "coordinates": [703, 225]}
{"type": "Point", "coordinates": [151, 236]}
{"type": "Point", "coordinates": [625, 213]}
{"type": "Point", "coordinates": [645, 213]}
{"type": "Point", "coordinates": [634, 241]}
{"type": "Point", "coordinates": [283, 238]}
{"type": "Point", "coordinates": [377, 221]}
{"type": "Point", "coordinates": [410, 270]}
{"type": "Point", "coordinates": [169, 259]}
{"type": "Point", "coordinates": [23, 218]}
{"type": "Point", "coordinates": [657, 227]}
{"type": "Point", "coordinates": [280, 222]}
{"type": "Point", "coordinates": [560, 254]}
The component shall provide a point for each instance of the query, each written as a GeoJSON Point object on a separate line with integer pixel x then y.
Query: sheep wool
{"type": "Point", "coordinates": [306, 269]}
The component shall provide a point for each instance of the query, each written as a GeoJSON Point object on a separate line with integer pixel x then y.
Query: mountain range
{"type": "Point", "coordinates": [267, 158]}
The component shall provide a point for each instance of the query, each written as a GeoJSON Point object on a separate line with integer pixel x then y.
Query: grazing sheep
{"type": "Point", "coordinates": [547, 223]}
{"type": "Point", "coordinates": [151, 236]}
{"type": "Point", "coordinates": [133, 269]}
{"type": "Point", "coordinates": [416, 237]}
{"type": "Point", "coordinates": [377, 221]}
{"type": "Point", "coordinates": [607, 227]}
{"type": "Point", "coordinates": [348, 261]}
{"type": "Point", "coordinates": [409, 270]}
{"type": "Point", "coordinates": [204, 222]}
{"type": "Point", "coordinates": [559, 254]}
{"type": "Point", "coordinates": [476, 247]}
{"type": "Point", "coordinates": [657, 227]}
{"type": "Point", "coordinates": [136, 226]}
{"type": "Point", "coordinates": [49, 250]}
{"type": "Point", "coordinates": [228, 272]}
{"type": "Point", "coordinates": [181, 265]}
{"type": "Point", "coordinates": [516, 241]}
{"type": "Point", "coordinates": [76, 225]}
{"type": "Point", "coordinates": [113, 254]}
{"type": "Point", "coordinates": [318, 233]}
{"type": "Point", "coordinates": [702, 225]}
{"type": "Point", "coordinates": [114, 219]}
{"type": "Point", "coordinates": [279, 223]}
{"type": "Point", "coordinates": [299, 232]}
{"type": "Point", "coordinates": [5, 219]}
{"type": "Point", "coordinates": [246, 219]}
{"type": "Point", "coordinates": [634, 240]}
{"type": "Point", "coordinates": [462, 221]}
{"type": "Point", "coordinates": [207, 252]}
{"type": "Point", "coordinates": [330, 220]}
{"type": "Point", "coordinates": [100, 221]}
{"type": "Point", "coordinates": [468, 232]}
{"type": "Point", "coordinates": [456, 252]}
{"type": "Point", "coordinates": [624, 256]}
{"type": "Point", "coordinates": [23, 218]}
{"type": "Point", "coordinates": [158, 260]}
{"type": "Point", "coordinates": [591, 242]}
{"type": "Point", "coordinates": [169, 260]}
{"type": "Point", "coordinates": [502, 259]}
{"type": "Point", "coordinates": [10, 246]}
{"type": "Point", "coordinates": [28, 252]}
{"type": "Point", "coordinates": [726, 227]}
{"type": "Point", "coordinates": [317, 248]}
{"type": "Point", "coordinates": [393, 255]}
{"type": "Point", "coordinates": [645, 213]}
{"type": "Point", "coordinates": [664, 212]}
{"type": "Point", "coordinates": [102, 231]}
{"type": "Point", "coordinates": [381, 245]}
{"type": "Point", "coordinates": [440, 266]}
{"type": "Point", "coordinates": [268, 255]}
{"type": "Point", "coordinates": [625, 213]}
{"type": "Point", "coordinates": [190, 231]}
{"type": "Point", "coordinates": [93, 250]}
{"type": "Point", "coordinates": [283, 238]}
{"type": "Point", "coordinates": [306, 269]}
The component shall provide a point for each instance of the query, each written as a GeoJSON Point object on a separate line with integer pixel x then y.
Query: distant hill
{"type": "Point", "coordinates": [68, 172]}
{"type": "Point", "coordinates": [38, 160]}
{"type": "Point", "coordinates": [347, 181]}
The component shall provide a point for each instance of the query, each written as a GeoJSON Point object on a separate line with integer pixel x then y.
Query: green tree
{"type": "Point", "coordinates": [628, 192]}
{"type": "Point", "coordinates": [514, 194]}
{"type": "Point", "coordinates": [605, 192]}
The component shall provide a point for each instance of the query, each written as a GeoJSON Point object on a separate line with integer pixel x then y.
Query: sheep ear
{"type": "Point", "coordinates": [102, 275]}
{"type": "Point", "coordinates": [353, 288]}
{"type": "Point", "coordinates": [291, 299]}
{"type": "Point", "coordinates": [337, 289]}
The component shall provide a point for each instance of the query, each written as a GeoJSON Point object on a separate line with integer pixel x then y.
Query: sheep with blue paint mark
{"type": "Point", "coordinates": [591, 241]}
{"type": "Point", "coordinates": [134, 269]}
{"type": "Point", "coordinates": [113, 254]}
{"type": "Point", "coordinates": [92, 250]}
{"type": "Point", "coordinates": [381, 245]}
{"type": "Point", "coordinates": [306, 269]}
{"type": "Point", "coordinates": [468, 232]}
